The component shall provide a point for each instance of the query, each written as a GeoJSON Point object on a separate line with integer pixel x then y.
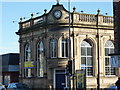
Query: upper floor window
{"type": "Point", "coordinates": [53, 48]}
{"type": "Point", "coordinates": [27, 52]}
{"type": "Point", "coordinates": [109, 48]}
{"type": "Point", "coordinates": [64, 48]}
{"type": "Point", "coordinates": [87, 57]}
{"type": "Point", "coordinates": [40, 59]}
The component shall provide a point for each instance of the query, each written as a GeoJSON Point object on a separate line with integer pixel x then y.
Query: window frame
{"type": "Point", "coordinates": [64, 47]}
{"type": "Point", "coordinates": [27, 50]}
{"type": "Point", "coordinates": [40, 54]}
{"type": "Point", "coordinates": [109, 71]}
{"type": "Point", "coordinates": [87, 44]}
{"type": "Point", "coordinates": [53, 48]}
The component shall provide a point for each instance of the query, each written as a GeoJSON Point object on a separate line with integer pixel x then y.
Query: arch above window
{"type": "Point", "coordinates": [86, 43]}
{"type": "Point", "coordinates": [109, 43]}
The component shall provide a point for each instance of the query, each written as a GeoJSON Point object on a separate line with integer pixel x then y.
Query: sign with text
{"type": "Point", "coordinates": [29, 64]}
{"type": "Point", "coordinates": [114, 61]}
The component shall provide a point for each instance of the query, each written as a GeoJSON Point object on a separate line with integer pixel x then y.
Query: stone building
{"type": "Point", "coordinates": [44, 47]}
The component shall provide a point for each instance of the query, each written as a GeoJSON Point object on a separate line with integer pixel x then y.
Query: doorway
{"type": "Point", "coordinates": [59, 82]}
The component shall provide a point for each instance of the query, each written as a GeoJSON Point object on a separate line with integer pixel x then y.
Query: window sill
{"type": "Point", "coordinates": [58, 58]}
{"type": "Point", "coordinates": [40, 77]}
{"type": "Point", "coordinates": [53, 57]}
{"type": "Point", "coordinates": [110, 75]}
{"type": "Point", "coordinates": [33, 77]}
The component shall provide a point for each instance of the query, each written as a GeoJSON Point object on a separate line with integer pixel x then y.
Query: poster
{"type": "Point", "coordinates": [114, 61]}
{"type": "Point", "coordinates": [81, 79]}
{"type": "Point", "coordinates": [28, 64]}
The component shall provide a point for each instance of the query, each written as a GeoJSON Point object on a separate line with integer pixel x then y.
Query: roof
{"type": "Point", "coordinates": [10, 62]}
{"type": "Point", "coordinates": [10, 59]}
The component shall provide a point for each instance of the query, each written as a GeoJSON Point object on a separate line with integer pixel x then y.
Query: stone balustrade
{"type": "Point", "coordinates": [92, 19]}
{"type": "Point", "coordinates": [78, 18]}
{"type": "Point", "coordinates": [87, 18]}
{"type": "Point", "coordinates": [107, 19]}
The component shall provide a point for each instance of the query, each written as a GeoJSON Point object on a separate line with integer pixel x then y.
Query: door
{"type": "Point", "coordinates": [60, 79]}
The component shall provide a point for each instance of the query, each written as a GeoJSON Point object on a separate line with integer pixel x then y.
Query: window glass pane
{"type": "Point", "coordinates": [63, 48]}
{"type": "Point", "coordinates": [89, 71]}
{"type": "Point", "coordinates": [106, 51]}
{"type": "Point", "coordinates": [83, 51]}
{"type": "Point", "coordinates": [107, 71]}
{"type": "Point", "coordinates": [106, 61]}
{"type": "Point", "coordinates": [112, 50]}
{"type": "Point", "coordinates": [89, 61]}
{"type": "Point", "coordinates": [109, 44]}
{"type": "Point", "coordinates": [51, 50]}
{"type": "Point", "coordinates": [85, 43]}
{"type": "Point", "coordinates": [112, 70]}
{"type": "Point", "coordinates": [27, 52]}
{"type": "Point", "coordinates": [55, 50]}
{"type": "Point", "coordinates": [66, 49]}
{"type": "Point", "coordinates": [89, 51]}
{"type": "Point", "coordinates": [41, 47]}
{"type": "Point", "coordinates": [83, 60]}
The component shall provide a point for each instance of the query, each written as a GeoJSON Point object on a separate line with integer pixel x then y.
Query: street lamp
{"type": "Point", "coordinates": [69, 44]}
{"type": "Point", "coordinates": [69, 50]}
{"type": "Point", "coordinates": [98, 75]}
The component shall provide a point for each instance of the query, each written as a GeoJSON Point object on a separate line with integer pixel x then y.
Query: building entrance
{"type": "Point", "coordinates": [59, 79]}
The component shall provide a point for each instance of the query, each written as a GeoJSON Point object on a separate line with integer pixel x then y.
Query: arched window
{"type": "Point", "coordinates": [87, 57]}
{"type": "Point", "coordinates": [40, 59]}
{"type": "Point", "coordinates": [64, 48]}
{"type": "Point", "coordinates": [27, 52]}
{"type": "Point", "coordinates": [109, 48]}
{"type": "Point", "coordinates": [53, 48]}
{"type": "Point", "coordinates": [27, 55]}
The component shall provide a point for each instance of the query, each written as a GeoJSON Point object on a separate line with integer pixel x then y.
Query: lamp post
{"type": "Point", "coordinates": [74, 10]}
{"type": "Point", "coordinates": [69, 49]}
{"type": "Point", "coordinates": [69, 44]}
{"type": "Point", "coordinates": [73, 61]}
{"type": "Point", "coordinates": [98, 75]}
